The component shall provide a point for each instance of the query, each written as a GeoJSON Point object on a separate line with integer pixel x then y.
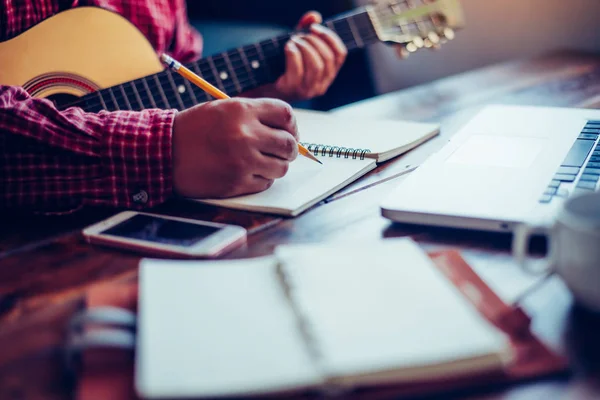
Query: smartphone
{"type": "Point", "coordinates": [160, 235]}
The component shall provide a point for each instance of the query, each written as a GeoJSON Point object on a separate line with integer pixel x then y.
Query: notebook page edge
{"type": "Point", "coordinates": [388, 155]}
{"type": "Point", "coordinates": [465, 368]}
{"type": "Point", "coordinates": [496, 345]}
{"type": "Point", "coordinates": [301, 205]}
{"type": "Point", "coordinates": [353, 178]}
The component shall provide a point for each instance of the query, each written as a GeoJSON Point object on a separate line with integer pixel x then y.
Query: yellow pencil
{"type": "Point", "coordinates": [215, 92]}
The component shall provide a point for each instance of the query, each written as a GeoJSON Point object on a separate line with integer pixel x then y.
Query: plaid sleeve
{"type": "Point", "coordinates": [54, 160]}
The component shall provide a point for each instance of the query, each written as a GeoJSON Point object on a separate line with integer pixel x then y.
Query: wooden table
{"type": "Point", "coordinates": [45, 266]}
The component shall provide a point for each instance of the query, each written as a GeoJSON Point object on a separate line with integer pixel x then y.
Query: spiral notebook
{"type": "Point", "coordinates": [310, 317]}
{"type": "Point", "coordinates": [348, 148]}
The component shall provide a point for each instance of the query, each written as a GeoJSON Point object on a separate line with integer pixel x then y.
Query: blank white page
{"type": "Point", "coordinates": [217, 328]}
{"type": "Point", "coordinates": [383, 306]}
{"type": "Point", "coordinates": [306, 183]}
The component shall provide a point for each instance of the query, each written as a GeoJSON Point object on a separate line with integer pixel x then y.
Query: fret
{"type": "Point", "coordinates": [275, 60]}
{"type": "Point", "coordinates": [342, 28]}
{"type": "Point", "coordinates": [137, 95]}
{"type": "Point", "coordinates": [280, 41]}
{"type": "Point", "coordinates": [121, 101]}
{"type": "Point", "coordinates": [348, 40]}
{"type": "Point", "coordinates": [112, 96]}
{"type": "Point", "coordinates": [242, 70]}
{"type": "Point", "coordinates": [94, 102]}
{"type": "Point", "coordinates": [234, 76]}
{"type": "Point", "coordinates": [150, 97]}
{"type": "Point", "coordinates": [262, 65]}
{"type": "Point", "coordinates": [207, 71]}
{"type": "Point", "coordinates": [168, 90]}
{"type": "Point", "coordinates": [185, 91]}
{"type": "Point", "coordinates": [329, 24]}
{"type": "Point", "coordinates": [217, 77]}
{"type": "Point", "coordinates": [125, 97]}
{"type": "Point", "coordinates": [253, 56]}
{"type": "Point", "coordinates": [161, 92]}
{"type": "Point", "coordinates": [365, 28]}
{"type": "Point", "coordinates": [205, 96]}
{"type": "Point", "coordinates": [140, 88]}
{"type": "Point", "coordinates": [102, 100]}
{"type": "Point", "coordinates": [175, 90]}
{"type": "Point", "coordinates": [256, 62]}
{"type": "Point", "coordinates": [190, 91]}
{"type": "Point", "coordinates": [260, 53]}
{"type": "Point", "coordinates": [223, 73]}
{"type": "Point", "coordinates": [244, 58]}
{"type": "Point", "coordinates": [268, 47]}
{"type": "Point", "coordinates": [354, 30]}
{"type": "Point", "coordinates": [128, 93]}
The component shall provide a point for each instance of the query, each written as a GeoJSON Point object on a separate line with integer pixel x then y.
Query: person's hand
{"type": "Point", "coordinates": [231, 147]}
{"type": "Point", "coordinates": [313, 60]}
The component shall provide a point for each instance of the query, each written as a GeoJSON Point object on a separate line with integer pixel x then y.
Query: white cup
{"type": "Point", "coordinates": [573, 248]}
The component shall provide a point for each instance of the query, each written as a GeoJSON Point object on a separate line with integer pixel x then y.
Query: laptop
{"type": "Point", "coordinates": [507, 165]}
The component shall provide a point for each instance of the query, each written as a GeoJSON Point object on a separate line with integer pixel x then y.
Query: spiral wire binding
{"type": "Point", "coordinates": [329, 388]}
{"type": "Point", "coordinates": [335, 151]}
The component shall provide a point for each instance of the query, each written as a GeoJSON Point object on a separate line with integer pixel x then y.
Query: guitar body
{"type": "Point", "coordinates": [76, 52]}
{"type": "Point", "coordinates": [97, 60]}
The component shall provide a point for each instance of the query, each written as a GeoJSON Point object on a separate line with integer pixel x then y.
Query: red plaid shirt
{"type": "Point", "coordinates": [54, 160]}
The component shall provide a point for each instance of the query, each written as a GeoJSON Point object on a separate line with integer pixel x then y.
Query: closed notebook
{"type": "Point", "coordinates": [309, 317]}
{"type": "Point", "coordinates": [348, 148]}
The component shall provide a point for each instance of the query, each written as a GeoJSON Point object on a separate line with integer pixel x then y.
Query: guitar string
{"type": "Point", "coordinates": [242, 83]}
{"type": "Point", "coordinates": [245, 83]}
{"type": "Point", "coordinates": [246, 80]}
{"type": "Point", "coordinates": [238, 66]}
{"type": "Point", "coordinates": [248, 77]}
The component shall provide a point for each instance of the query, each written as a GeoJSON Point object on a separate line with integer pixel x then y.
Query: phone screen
{"type": "Point", "coordinates": [159, 230]}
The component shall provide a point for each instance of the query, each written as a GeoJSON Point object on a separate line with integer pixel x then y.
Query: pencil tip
{"type": "Point", "coordinates": [319, 161]}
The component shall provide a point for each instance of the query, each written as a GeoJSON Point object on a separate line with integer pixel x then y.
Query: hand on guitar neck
{"type": "Point", "coordinates": [312, 61]}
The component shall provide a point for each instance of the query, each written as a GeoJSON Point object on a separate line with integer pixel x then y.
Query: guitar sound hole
{"type": "Point", "coordinates": [61, 100]}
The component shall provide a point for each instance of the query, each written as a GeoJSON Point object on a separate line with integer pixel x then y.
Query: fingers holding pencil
{"type": "Point", "coordinates": [215, 92]}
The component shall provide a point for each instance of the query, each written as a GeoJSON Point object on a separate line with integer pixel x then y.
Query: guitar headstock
{"type": "Point", "coordinates": [416, 24]}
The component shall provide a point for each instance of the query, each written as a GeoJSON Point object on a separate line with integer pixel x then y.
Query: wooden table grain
{"type": "Point", "coordinates": [46, 266]}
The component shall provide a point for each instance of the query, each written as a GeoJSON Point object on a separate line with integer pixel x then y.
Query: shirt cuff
{"type": "Point", "coordinates": [136, 159]}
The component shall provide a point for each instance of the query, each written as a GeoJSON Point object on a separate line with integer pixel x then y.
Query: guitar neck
{"type": "Point", "coordinates": [234, 72]}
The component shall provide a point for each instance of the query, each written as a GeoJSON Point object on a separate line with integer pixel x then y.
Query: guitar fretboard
{"type": "Point", "coordinates": [234, 72]}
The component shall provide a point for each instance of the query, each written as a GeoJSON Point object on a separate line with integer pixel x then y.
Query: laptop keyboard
{"type": "Point", "coordinates": [579, 171]}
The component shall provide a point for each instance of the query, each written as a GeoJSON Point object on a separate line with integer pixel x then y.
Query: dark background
{"type": "Point", "coordinates": [225, 24]}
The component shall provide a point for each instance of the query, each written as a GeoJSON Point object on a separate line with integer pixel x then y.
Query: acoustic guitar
{"type": "Point", "coordinates": [97, 60]}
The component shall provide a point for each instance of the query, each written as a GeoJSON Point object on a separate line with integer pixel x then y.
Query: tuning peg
{"type": "Point", "coordinates": [449, 33]}
{"type": "Point", "coordinates": [427, 43]}
{"type": "Point", "coordinates": [434, 38]}
{"type": "Point", "coordinates": [411, 47]}
{"type": "Point", "coordinates": [418, 41]}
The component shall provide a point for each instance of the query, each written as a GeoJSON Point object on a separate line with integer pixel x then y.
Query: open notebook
{"type": "Point", "coordinates": [348, 148]}
{"type": "Point", "coordinates": [310, 317]}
